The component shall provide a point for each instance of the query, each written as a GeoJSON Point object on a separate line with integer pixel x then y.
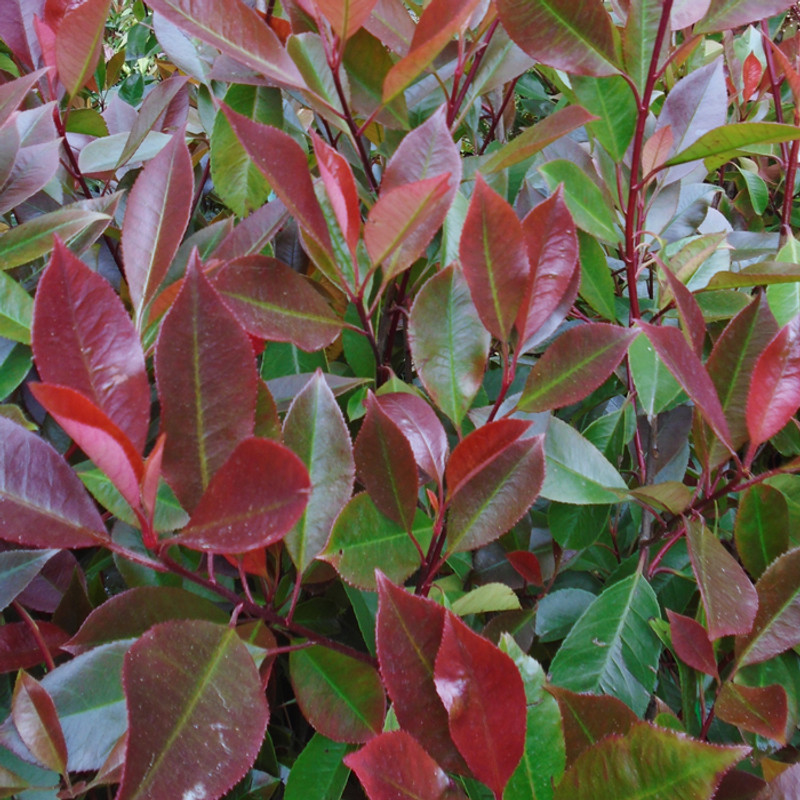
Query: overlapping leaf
{"type": "Point", "coordinates": [691, 643]}
{"type": "Point", "coordinates": [36, 720]}
{"type": "Point", "coordinates": [759, 709]}
{"type": "Point", "coordinates": [78, 43]}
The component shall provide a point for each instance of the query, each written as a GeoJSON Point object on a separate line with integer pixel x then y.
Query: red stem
{"type": "Point", "coordinates": [37, 635]}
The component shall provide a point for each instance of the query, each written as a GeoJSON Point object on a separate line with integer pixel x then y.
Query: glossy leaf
{"type": "Point", "coordinates": [404, 220]}
{"type": "Point", "coordinates": [237, 31]}
{"type": "Point", "coordinates": [394, 765]}
{"type": "Point", "coordinates": [341, 697]}
{"type": "Point", "coordinates": [19, 648]}
{"type": "Point", "coordinates": [408, 634]}
{"type": "Point", "coordinates": [612, 101]}
{"type": "Point", "coordinates": [17, 569]}
{"type": "Point", "coordinates": [345, 16]}
{"type": "Point", "coordinates": [494, 259]}
{"type": "Point", "coordinates": [16, 311]}
{"type": "Point", "coordinates": [729, 599]}
{"type": "Point", "coordinates": [156, 216]}
{"type": "Point", "coordinates": [758, 709]}
{"type": "Point", "coordinates": [666, 763]}
{"type": "Point", "coordinates": [197, 714]}
{"type": "Point", "coordinates": [448, 342]}
{"type": "Point", "coordinates": [577, 38]}
{"type": "Point", "coordinates": [97, 351]}
{"type": "Point", "coordinates": [776, 627]}
{"type": "Point", "coordinates": [725, 14]}
{"type": "Point", "coordinates": [207, 386]}
{"type": "Point", "coordinates": [253, 500]}
{"type": "Point", "coordinates": [36, 720]}
{"type": "Point", "coordinates": [588, 718]}
{"type": "Point", "coordinates": [527, 566]}
{"type": "Point", "coordinates": [385, 465]}
{"type": "Point", "coordinates": [52, 513]}
{"type": "Point", "coordinates": [493, 477]}
{"type": "Point", "coordinates": [612, 648]}
{"type": "Point", "coordinates": [774, 394]}
{"type": "Point", "coordinates": [318, 771]}
{"type": "Point", "coordinates": [363, 540]}
{"type": "Point", "coordinates": [691, 316]}
{"type": "Point", "coordinates": [576, 364]}
{"type": "Point", "coordinates": [79, 40]}
{"type": "Point", "coordinates": [273, 302]}
{"type": "Point", "coordinates": [484, 696]}
{"type": "Point", "coordinates": [576, 471]}
{"type": "Point", "coordinates": [762, 527]}
{"type": "Point", "coordinates": [315, 431]}
{"type": "Point", "coordinates": [691, 644]}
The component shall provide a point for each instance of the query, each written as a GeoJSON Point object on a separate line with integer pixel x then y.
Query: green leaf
{"type": "Point", "coordinates": [544, 758]}
{"type": "Point", "coordinates": [762, 527]}
{"type": "Point", "coordinates": [756, 189]}
{"type": "Point", "coordinates": [590, 208]}
{"type": "Point", "coordinates": [15, 363]}
{"type": "Point", "coordinates": [656, 389]}
{"type": "Point", "coordinates": [597, 284]}
{"type": "Point", "coordinates": [612, 648]}
{"type": "Point", "coordinates": [612, 101]}
{"type": "Point", "coordinates": [648, 762]}
{"type": "Point", "coordinates": [318, 771]}
{"type": "Point", "coordinates": [489, 597]}
{"type": "Point", "coordinates": [577, 472]}
{"type": "Point", "coordinates": [16, 310]}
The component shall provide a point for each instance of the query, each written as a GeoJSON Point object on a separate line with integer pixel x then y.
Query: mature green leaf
{"type": "Point", "coordinates": [612, 647]}
{"type": "Point", "coordinates": [656, 389]}
{"type": "Point", "coordinates": [197, 713]}
{"type": "Point", "coordinates": [638, 39]}
{"type": "Point", "coordinates": [612, 101]}
{"type": "Point", "coordinates": [318, 771]}
{"type": "Point", "coordinates": [664, 764]}
{"type": "Point", "coordinates": [597, 284]}
{"type": "Point", "coordinates": [487, 598]}
{"type": "Point", "coordinates": [16, 310]}
{"type": "Point", "coordinates": [761, 531]}
{"type": "Point", "coordinates": [341, 697]}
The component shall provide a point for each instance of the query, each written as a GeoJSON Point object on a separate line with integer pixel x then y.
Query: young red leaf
{"type": "Point", "coordinates": [207, 385]}
{"type": "Point", "coordinates": [42, 501]}
{"type": "Point", "coordinates": [494, 259]}
{"type": "Point", "coordinates": [758, 709]}
{"type": "Point", "coordinates": [448, 342]}
{"type": "Point", "coordinates": [19, 648]}
{"type": "Point", "coordinates": [105, 444]}
{"type": "Point", "coordinates": [394, 766]}
{"type": "Point", "coordinates": [774, 394]}
{"type": "Point", "coordinates": [196, 712]}
{"type": "Point", "coordinates": [156, 217]}
{"type": "Point", "coordinates": [341, 697]}
{"type": "Point", "coordinates": [252, 501]}
{"type": "Point", "coordinates": [420, 425]}
{"type": "Point", "coordinates": [691, 644]}
{"type": "Point", "coordinates": [527, 565]}
{"type": "Point", "coordinates": [79, 40]}
{"type": "Point", "coordinates": [694, 325]}
{"type": "Point", "coordinates": [690, 372]}
{"type": "Point", "coordinates": [386, 466]}
{"type": "Point", "coordinates": [656, 149]}
{"type": "Point", "coordinates": [408, 635]}
{"type": "Point", "coordinates": [483, 693]}
{"type": "Point", "coordinates": [404, 220]}
{"type": "Point", "coordinates": [36, 720]}
{"type": "Point", "coordinates": [340, 185]}
{"type": "Point", "coordinates": [315, 431]}
{"type": "Point", "coordinates": [345, 16]}
{"type": "Point", "coordinates": [576, 364]}
{"type": "Point", "coordinates": [777, 623]}
{"type": "Point", "coordinates": [730, 600]}
{"type": "Point", "coordinates": [97, 351]}
{"type": "Point", "coordinates": [151, 476]}
{"type": "Point", "coordinates": [751, 75]}
{"type": "Point", "coordinates": [273, 302]}
{"type": "Point", "coordinates": [554, 277]}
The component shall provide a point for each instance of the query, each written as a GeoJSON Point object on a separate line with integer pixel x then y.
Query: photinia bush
{"type": "Point", "coordinates": [399, 399]}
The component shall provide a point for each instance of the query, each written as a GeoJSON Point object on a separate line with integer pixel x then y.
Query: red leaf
{"type": "Point", "coordinates": [42, 501]}
{"type": "Point", "coordinates": [690, 372]}
{"type": "Point", "coordinates": [408, 635]}
{"type": "Point", "coordinates": [588, 718]}
{"type": "Point", "coordinates": [36, 720]}
{"type": "Point", "coordinates": [483, 693]}
{"type": "Point", "coordinates": [494, 259]}
{"type": "Point", "coordinates": [345, 16]}
{"type": "Point", "coordinates": [420, 425]}
{"type": "Point", "coordinates": [340, 185]}
{"type": "Point", "coordinates": [751, 75]}
{"type": "Point", "coordinates": [385, 465]}
{"type": "Point", "coordinates": [691, 643]}
{"type": "Point", "coordinates": [527, 565]}
{"type": "Point", "coordinates": [275, 303]}
{"type": "Point", "coordinates": [207, 385]}
{"type": "Point", "coordinates": [404, 220]}
{"type": "Point", "coordinates": [253, 500]}
{"type": "Point", "coordinates": [394, 766]}
{"type": "Point", "coordinates": [105, 444]}
{"type": "Point", "coordinates": [758, 709]}
{"type": "Point", "coordinates": [151, 475]}
{"type": "Point", "coordinates": [692, 320]}
{"type": "Point", "coordinates": [96, 351]}
{"type": "Point", "coordinates": [19, 648]}
{"type": "Point", "coordinates": [196, 712]}
{"type": "Point", "coordinates": [730, 600]}
{"type": "Point", "coordinates": [79, 40]}
{"type": "Point", "coordinates": [156, 217]}
{"type": "Point", "coordinates": [552, 245]}
{"type": "Point", "coordinates": [774, 394]}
